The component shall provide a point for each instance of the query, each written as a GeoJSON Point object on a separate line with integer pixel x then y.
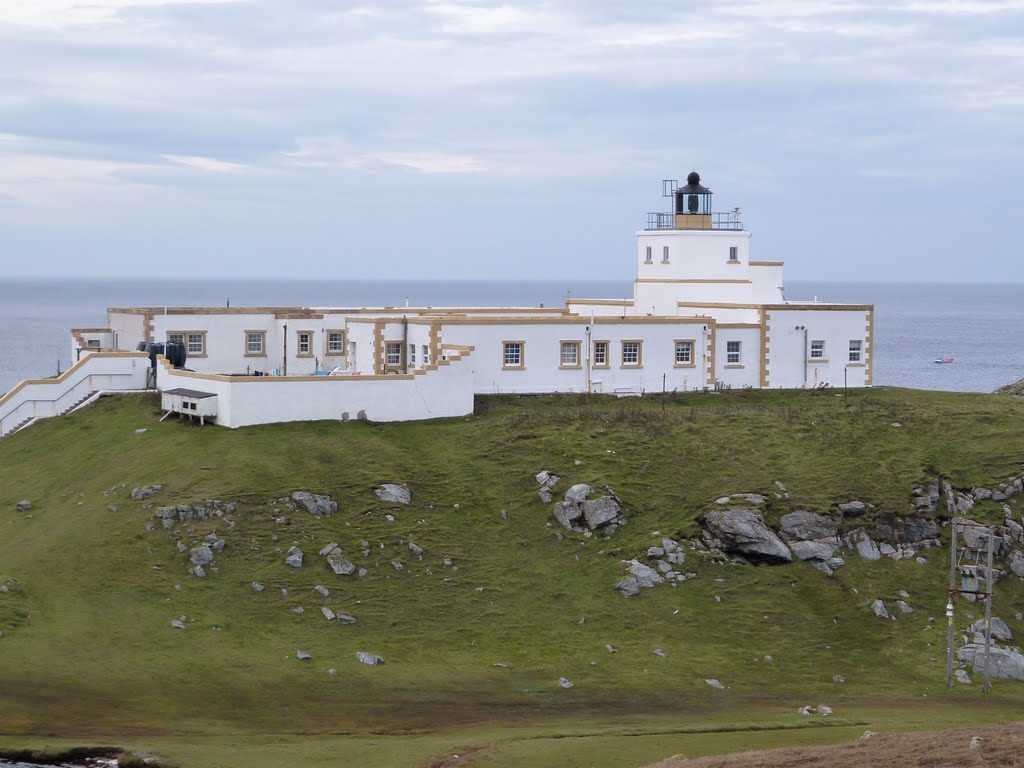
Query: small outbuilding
{"type": "Point", "coordinates": [189, 402]}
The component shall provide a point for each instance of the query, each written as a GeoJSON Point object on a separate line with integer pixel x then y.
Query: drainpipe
{"type": "Point", "coordinates": [285, 366]}
{"type": "Point", "coordinates": [405, 342]}
{"type": "Point", "coordinates": [588, 335]}
{"type": "Point", "coordinates": [804, 329]}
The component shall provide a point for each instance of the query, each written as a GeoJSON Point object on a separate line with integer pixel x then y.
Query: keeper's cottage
{"type": "Point", "coordinates": [704, 315]}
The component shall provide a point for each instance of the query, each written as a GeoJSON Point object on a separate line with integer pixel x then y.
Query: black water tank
{"type": "Point", "coordinates": [176, 354]}
{"type": "Point", "coordinates": [154, 350]}
{"type": "Point", "coordinates": [141, 346]}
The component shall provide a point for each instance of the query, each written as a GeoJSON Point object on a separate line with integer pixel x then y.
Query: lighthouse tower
{"type": "Point", "coordinates": [692, 257]}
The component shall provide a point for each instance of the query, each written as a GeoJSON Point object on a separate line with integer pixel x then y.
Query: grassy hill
{"type": "Point", "coordinates": [473, 650]}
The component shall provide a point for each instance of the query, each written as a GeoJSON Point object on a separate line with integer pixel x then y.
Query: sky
{"type": "Point", "coordinates": [312, 139]}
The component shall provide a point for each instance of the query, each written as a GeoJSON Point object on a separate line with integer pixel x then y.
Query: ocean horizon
{"type": "Point", "coordinates": [979, 325]}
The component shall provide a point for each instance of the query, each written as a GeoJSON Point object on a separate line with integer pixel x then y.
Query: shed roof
{"type": "Point", "coordinates": [193, 393]}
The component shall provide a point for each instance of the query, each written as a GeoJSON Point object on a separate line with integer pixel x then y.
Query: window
{"type": "Point", "coordinates": [512, 354]}
{"type": "Point", "coordinates": [335, 342]}
{"type": "Point", "coordinates": [631, 354]}
{"type": "Point", "coordinates": [818, 349]}
{"type": "Point", "coordinates": [193, 341]}
{"type": "Point", "coordinates": [426, 354]}
{"type": "Point", "coordinates": [734, 253]}
{"type": "Point", "coordinates": [93, 343]}
{"type": "Point", "coordinates": [600, 354]}
{"type": "Point", "coordinates": [393, 354]}
{"type": "Point", "coordinates": [570, 354]}
{"type": "Point", "coordinates": [255, 343]}
{"type": "Point", "coordinates": [732, 353]}
{"type": "Point", "coordinates": [650, 255]}
{"type": "Point", "coordinates": [664, 255]}
{"type": "Point", "coordinates": [305, 345]}
{"type": "Point", "coordinates": [856, 346]}
{"type": "Point", "coordinates": [412, 354]}
{"type": "Point", "coordinates": [684, 352]}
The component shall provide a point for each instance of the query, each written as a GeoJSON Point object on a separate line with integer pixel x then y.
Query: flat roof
{"type": "Point", "coordinates": [193, 393]}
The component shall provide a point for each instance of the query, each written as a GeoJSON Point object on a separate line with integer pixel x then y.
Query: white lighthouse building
{"type": "Point", "coordinates": [705, 316]}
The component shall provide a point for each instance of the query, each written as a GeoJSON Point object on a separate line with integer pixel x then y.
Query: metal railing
{"type": "Point", "coordinates": [727, 221]}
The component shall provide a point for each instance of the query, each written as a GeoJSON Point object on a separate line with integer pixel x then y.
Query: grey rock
{"type": "Point", "coordinates": [887, 549]}
{"type": "Point", "coordinates": [600, 511]}
{"type": "Point", "coordinates": [1000, 631]}
{"type": "Point", "coordinates": [853, 508]}
{"type": "Point", "coordinates": [669, 545]}
{"type": "Point", "coordinates": [144, 492]}
{"type": "Point", "coordinates": [322, 590]}
{"type": "Point", "coordinates": [743, 531]}
{"type": "Point", "coordinates": [23, 506]}
{"type": "Point", "coordinates": [964, 503]}
{"type": "Point", "coordinates": [328, 549]}
{"type": "Point", "coordinates": [981, 493]}
{"type": "Point", "coordinates": [664, 567]}
{"type": "Point", "coordinates": [546, 478]}
{"type": "Point", "coordinates": [284, 592]}
{"type": "Point", "coordinates": [210, 538]}
{"type": "Point", "coordinates": [328, 613]}
{"type": "Point", "coordinates": [904, 608]}
{"type": "Point", "coordinates": [824, 710]}
{"type": "Point", "coordinates": [806, 526]}
{"type": "Point", "coordinates": [835, 562]}
{"type": "Point", "coordinates": [568, 514]}
{"type": "Point", "coordinates": [302, 656]}
{"type": "Point", "coordinates": [315, 504]}
{"type": "Point", "coordinates": [341, 565]}
{"type": "Point", "coordinates": [1016, 562]}
{"type": "Point", "coordinates": [362, 572]}
{"type": "Point", "coordinates": [653, 553]}
{"type": "Point", "coordinates": [201, 555]}
{"type": "Point", "coordinates": [805, 710]}
{"type": "Point", "coordinates": [218, 545]}
{"type": "Point", "coordinates": [813, 550]}
{"type": "Point", "coordinates": [564, 682]}
{"type": "Point", "coordinates": [578, 493]}
{"type": "Point", "coordinates": [298, 609]}
{"type": "Point", "coordinates": [645, 576]}
{"type": "Point", "coordinates": [370, 659]}
{"type": "Point", "coordinates": [415, 549]}
{"type": "Point", "coordinates": [544, 495]}
{"type": "Point", "coordinates": [628, 587]}
{"type": "Point", "coordinates": [198, 572]}
{"type": "Point", "coordinates": [866, 548]}
{"type": "Point", "coordinates": [660, 652]}
{"type": "Point", "coordinates": [753, 498]}
{"type": "Point", "coordinates": [962, 676]}
{"type": "Point", "coordinates": [257, 587]}
{"type": "Point", "coordinates": [344, 618]}
{"type": "Point", "coordinates": [1005, 664]}
{"type": "Point", "coordinates": [823, 566]}
{"type": "Point", "coordinates": [182, 546]}
{"type": "Point", "coordinates": [677, 558]}
{"type": "Point", "coordinates": [394, 494]}
{"type": "Point", "coordinates": [294, 558]}
{"type": "Point", "coordinates": [611, 648]}
{"type": "Point", "coordinates": [915, 530]}
{"type": "Point", "coordinates": [397, 565]}
{"type": "Point", "coordinates": [838, 678]}
{"type": "Point", "coordinates": [878, 608]}
{"type": "Point", "coordinates": [178, 624]}
{"type": "Point", "coordinates": [976, 537]}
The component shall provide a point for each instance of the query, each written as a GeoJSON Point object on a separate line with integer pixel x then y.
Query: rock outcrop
{"type": "Point", "coordinates": [743, 532]}
{"type": "Point", "coordinates": [393, 493]}
{"type": "Point", "coordinates": [315, 504]}
{"type": "Point", "coordinates": [580, 514]}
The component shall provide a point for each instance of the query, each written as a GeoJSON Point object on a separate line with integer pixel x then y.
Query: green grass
{"type": "Point", "coordinates": [87, 653]}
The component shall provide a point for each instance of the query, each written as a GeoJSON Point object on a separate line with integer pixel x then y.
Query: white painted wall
{"type": "Point", "coordinates": [787, 354]}
{"type": "Point", "coordinates": [747, 373]}
{"type": "Point", "coordinates": [245, 401]}
{"type": "Point", "coordinates": [42, 398]}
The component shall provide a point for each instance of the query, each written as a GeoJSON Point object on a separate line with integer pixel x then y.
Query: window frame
{"type": "Point", "coordinates": [575, 345]}
{"type": "Point", "coordinates": [393, 359]}
{"type": "Point", "coordinates": [692, 343]}
{"type": "Point", "coordinates": [263, 342]}
{"type": "Point", "coordinates": [607, 348]}
{"type": "Point", "coordinates": [639, 353]}
{"type": "Point", "coordinates": [738, 362]}
{"type": "Point", "coordinates": [734, 254]}
{"type": "Point", "coordinates": [521, 364]}
{"type": "Point", "coordinates": [425, 349]}
{"type": "Point", "coordinates": [649, 255]}
{"type": "Point", "coordinates": [328, 332]}
{"type": "Point", "coordinates": [664, 254]}
{"type": "Point", "coordinates": [184, 339]}
{"type": "Point", "coordinates": [298, 344]}
{"type": "Point", "coordinates": [820, 350]}
{"type": "Point", "coordinates": [859, 351]}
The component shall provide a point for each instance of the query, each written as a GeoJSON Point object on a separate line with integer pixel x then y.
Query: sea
{"type": "Point", "coordinates": [980, 326]}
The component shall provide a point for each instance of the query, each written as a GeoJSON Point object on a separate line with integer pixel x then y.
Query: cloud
{"type": "Point", "coordinates": [58, 14]}
{"type": "Point", "coordinates": [206, 163]}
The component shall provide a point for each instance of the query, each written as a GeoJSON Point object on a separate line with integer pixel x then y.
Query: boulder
{"type": "Point", "coordinates": [178, 624]}
{"type": "Point", "coordinates": [1016, 563]}
{"type": "Point", "coordinates": [600, 512]}
{"type": "Point", "coordinates": [328, 613]}
{"type": "Point", "coordinates": [393, 494]}
{"type": "Point", "coordinates": [324, 591]}
{"type": "Point", "coordinates": [578, 493]}
{"type": "Point", "coordinates": [257, 587]}
{"type": "Point", "coordinates": [653, 553]}
{"type": "Point", "coordinates": [564, 682]}
{"type": "Point", "coordinates": [139, 494]}
{"type": "Point", "coordinates": [714, 683]}
{"type": "Point", "coordinates": [866, 548]}
{"type": "Point", "coordinates": [302, 656]}
{"type": "Point", "coordinates": [1004, 664]}
{"type": "Point", "coordinates": [1000, 631]}
{"type": "Point", "coordinates": [962, 676]}
{"type": "Point", "coordinates": [415, 549]}
{"type": "Point", "coordinates": [853, 508]}
{"type": "Point", "coordinates": [802, 525]}
{"type": "Point", "coordinates": [981, 493]}
{"type": "Point", "coordinates": [546, 479]}
{"type": "Point", "coordinates": [628, 587]}
{"type": "Point", "coordinates": [743, 531]}
{"type": "Point", "coordinates": [813, 550]}
{"type": "Point", "coordinates": [568, 514]}
{"type": "Point", "coordinates": [201, 555]}
{"type": "Point", "coordinates": [344, 618]}
{"type": "Point", "coordinates": [545, 495]}
{"type": "Point", "coordinates": [340, 564]}
{"type": "Point", "coordinates": [645, 576]}
{"type": "Point", "coordinates": [878, 608]}
{"type": "Point", "coordinates": [328, 549]}
{"type": "Point", "coordinates": [23, 506]}
{"type": "Point", "coordinates": [315, 504]}
{"type": "Point", "coordinates": [915, 530]}
{"type": "Point", "coordinates": [904, 608]}
{"type": "Point", "coordinates": [370, 659]}
{"type": "Point", "coordinates": [294, 558]}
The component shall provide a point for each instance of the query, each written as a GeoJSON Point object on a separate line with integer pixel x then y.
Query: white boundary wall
{"type": "Point", "coordinates": [42, 398]}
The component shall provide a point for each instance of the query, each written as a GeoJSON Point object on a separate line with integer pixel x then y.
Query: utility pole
{"type": "Point", "coordinates": [985, 686]}
{"type": "Point", "coordinates": [949, 607]}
